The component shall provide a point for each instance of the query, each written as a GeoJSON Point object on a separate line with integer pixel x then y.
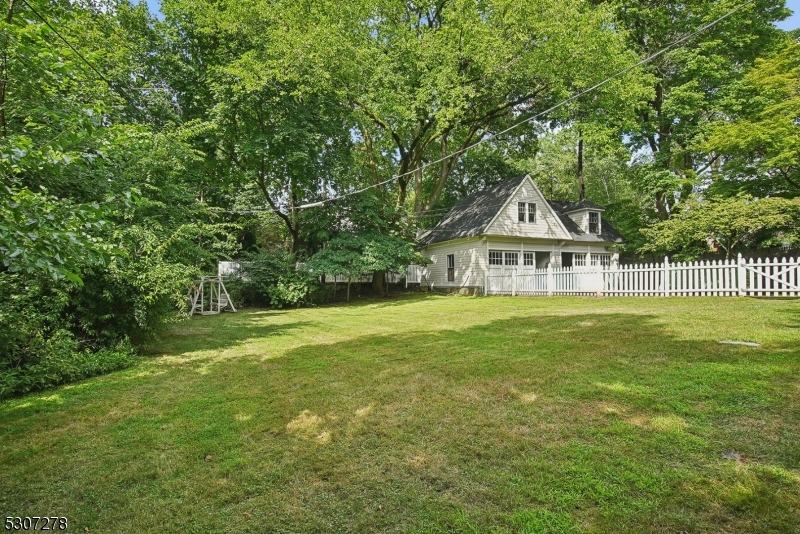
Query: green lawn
{"type": "Point", "coordinates": [428, 413]}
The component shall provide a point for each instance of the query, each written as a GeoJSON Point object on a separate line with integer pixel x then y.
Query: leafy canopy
{"type": "Point", "coordinates": [728, 223]}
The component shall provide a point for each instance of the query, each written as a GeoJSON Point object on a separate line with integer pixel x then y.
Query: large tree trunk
{"type": "Point", "coordinates": [661, 205]}
{"type": "Point", "coordinates": [378, 283]}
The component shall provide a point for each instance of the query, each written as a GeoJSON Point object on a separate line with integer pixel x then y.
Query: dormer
{"type": "Point", "coordinates": [587, 215]}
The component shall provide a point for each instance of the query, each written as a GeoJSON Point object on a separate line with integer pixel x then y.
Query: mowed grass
{"type": "Point", "coordinates": [430, 414]}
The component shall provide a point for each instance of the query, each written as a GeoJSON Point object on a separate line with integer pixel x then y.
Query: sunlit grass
{"type": "Point", "coordinates": [430, 414]}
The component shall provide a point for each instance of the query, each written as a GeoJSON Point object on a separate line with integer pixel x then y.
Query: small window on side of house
{"type": "Point", "coordinates": [521, 211]}
{"type": "Point", "coordinates": [531, 213]}
{"type": "Point", "coordinates": [579, 260]}
{"type": "Point", "coordinates": [512, 258]}
{"type": "Point", "coordinates": [529, 259]}
{"type": "Point", "coordinates": [594, 222]}
{"type": "Point", "coordinates": [495, 257]}
{"type": "Point", "coordinates": [451, 267]}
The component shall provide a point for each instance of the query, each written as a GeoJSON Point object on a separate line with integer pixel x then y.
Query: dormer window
{"type": "Point", "coordinates": [594, 222]}
{"type": "Point", "coordinates": [526, 212]}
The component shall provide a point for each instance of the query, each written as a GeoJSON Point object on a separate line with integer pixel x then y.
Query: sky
{"type": "Point", "coordinates": [791, 23]}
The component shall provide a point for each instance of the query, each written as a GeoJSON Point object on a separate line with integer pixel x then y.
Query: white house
{"type": "Point", "coordinates": [511, 226]}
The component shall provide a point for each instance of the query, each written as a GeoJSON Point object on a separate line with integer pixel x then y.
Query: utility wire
{"type": "Point", "coordinates": [100, 74]}
{"type": "Point", "coordinates": [574, 97]}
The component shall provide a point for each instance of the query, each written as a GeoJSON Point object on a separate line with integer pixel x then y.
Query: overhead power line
{"type": "Point", "coordinates": [563, 103]}
{"type": "Point", "coordinates": [75, 50]}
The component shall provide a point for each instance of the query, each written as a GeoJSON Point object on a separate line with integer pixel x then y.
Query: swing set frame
{"type": "Point", "coordinates": [209, 297]}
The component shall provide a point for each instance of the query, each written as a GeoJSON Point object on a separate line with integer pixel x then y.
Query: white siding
{"type": "Point", "coordinates": [547, 225]}
{"type": "Point", "coordinates": [470, 263]}
{"type": "Point", "coordinates": [581, 218]}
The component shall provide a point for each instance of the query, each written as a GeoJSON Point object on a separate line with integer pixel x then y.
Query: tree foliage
{"type": "Point", "coordinates": [353, 255]}
{"type": "Point", "coordinates": [758, 143]}
{"type": "Point", "coordinates": [700, 226]}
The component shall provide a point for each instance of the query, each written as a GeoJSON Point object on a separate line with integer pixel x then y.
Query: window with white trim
{"type": "Point", "coordinates": [526, 212]}
{"type": "Point", "coordinates": [451, 267]}
{"type": "Point", "coordinates": [529, 259]}
{"type": "Point", "coordinates": [594, 222]}
{"type": "Point", "coordinates": [579, 260]}
{"type": "Point", "coordinates": [601, 259]}
{"type": "Point", "coordinates": [504, 258]}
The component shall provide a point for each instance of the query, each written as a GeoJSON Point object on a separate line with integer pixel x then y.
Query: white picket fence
{"type": "Point", "coordinates": [770, 277]}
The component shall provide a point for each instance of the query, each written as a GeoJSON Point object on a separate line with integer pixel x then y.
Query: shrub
{"type": "Point", "coordinates": [273, 278]}
{"type": "Point", "coordinates": [38, 346]}
{"type": "Point", "coordinates": [59, 361]}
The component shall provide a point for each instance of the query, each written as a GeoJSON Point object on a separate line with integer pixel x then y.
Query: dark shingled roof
{"type": "Point", "coordinates": [567, 206]}
{"type": "Point", "coordinates": [471, 215]}
{"type": "Point", "coordinates": [607, 232]}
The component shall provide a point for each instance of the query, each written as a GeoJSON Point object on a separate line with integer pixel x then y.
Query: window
{"type": "Point", "coordinates": [506, 258]}
{"type": "Point", "coordinates": [526, 212]}
{"type": "Point", "coordinates": [529, 259]}
{"type": "Point", "coordinates": [531, 213]}
{"type": "Point", "coordinates": [579, 260]}
{"type": "Point", "coordinates": [451, 267]}
{"type": "Point", "coordinates": [594, 222]}
{"type": "Point", "coordinates": [601, 259]}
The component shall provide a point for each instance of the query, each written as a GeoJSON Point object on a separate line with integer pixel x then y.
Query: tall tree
{"type": "Point", "coordinates": [757, 140]}
{"type": "Point", "coordinates": [428, 79]}
{"type": "Point", "coordinates": [256, 121]}
{"type": "Point", "coordinates": [688, 81]}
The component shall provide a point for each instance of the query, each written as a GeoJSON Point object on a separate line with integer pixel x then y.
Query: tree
{"type": "Point", "coordinates": [428, 79]}
{"type": "Point", "coordinates": [689, 81]}
{"type": "Point", "coordinates": [255, 121]}
{"type": "Point", "coordinates": [353, 255]}
{"type": "Point", "coordinates": [700, 225]}
{"type": "Point", "coordinates": [758, 141]}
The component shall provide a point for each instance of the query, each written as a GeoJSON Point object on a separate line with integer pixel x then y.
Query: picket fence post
{"type": "Point", "coordinates": [666, 276]}
{"type": "Point", "coordinates": [486, 282]}
{"type": "Point", "coordinates": [740, 277]}
{"type": "Point", "coordinates": [513, 282]}
{"type": "Point", "coordinates": [601, 283]}
{"type": "Point", "coordinates": [549, 279]}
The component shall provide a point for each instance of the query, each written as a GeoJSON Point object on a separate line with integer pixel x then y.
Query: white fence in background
{"type": "Point", "coordinates": [233, 268]}
{"type": "Point", "coordinates": [770, 277]}
{"type": "Point", "coordinates": [755, 278]}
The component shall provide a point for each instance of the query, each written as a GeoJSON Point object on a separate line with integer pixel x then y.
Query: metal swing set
{"type": "Point", "coordinates": [209, 297]}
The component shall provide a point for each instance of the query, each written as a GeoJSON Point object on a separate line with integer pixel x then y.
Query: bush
{"type": "Point", "coordinates": [38, 344]}
{"type": "Point", "coordinates": [59, 361]}
{"type": "Point", "coordinates": [273, 278]}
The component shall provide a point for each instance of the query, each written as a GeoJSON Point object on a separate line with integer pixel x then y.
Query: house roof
{"type": "Point", "coordinates": [471, 216]}
{"type": "Point", "coordinates": [569, 207]}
